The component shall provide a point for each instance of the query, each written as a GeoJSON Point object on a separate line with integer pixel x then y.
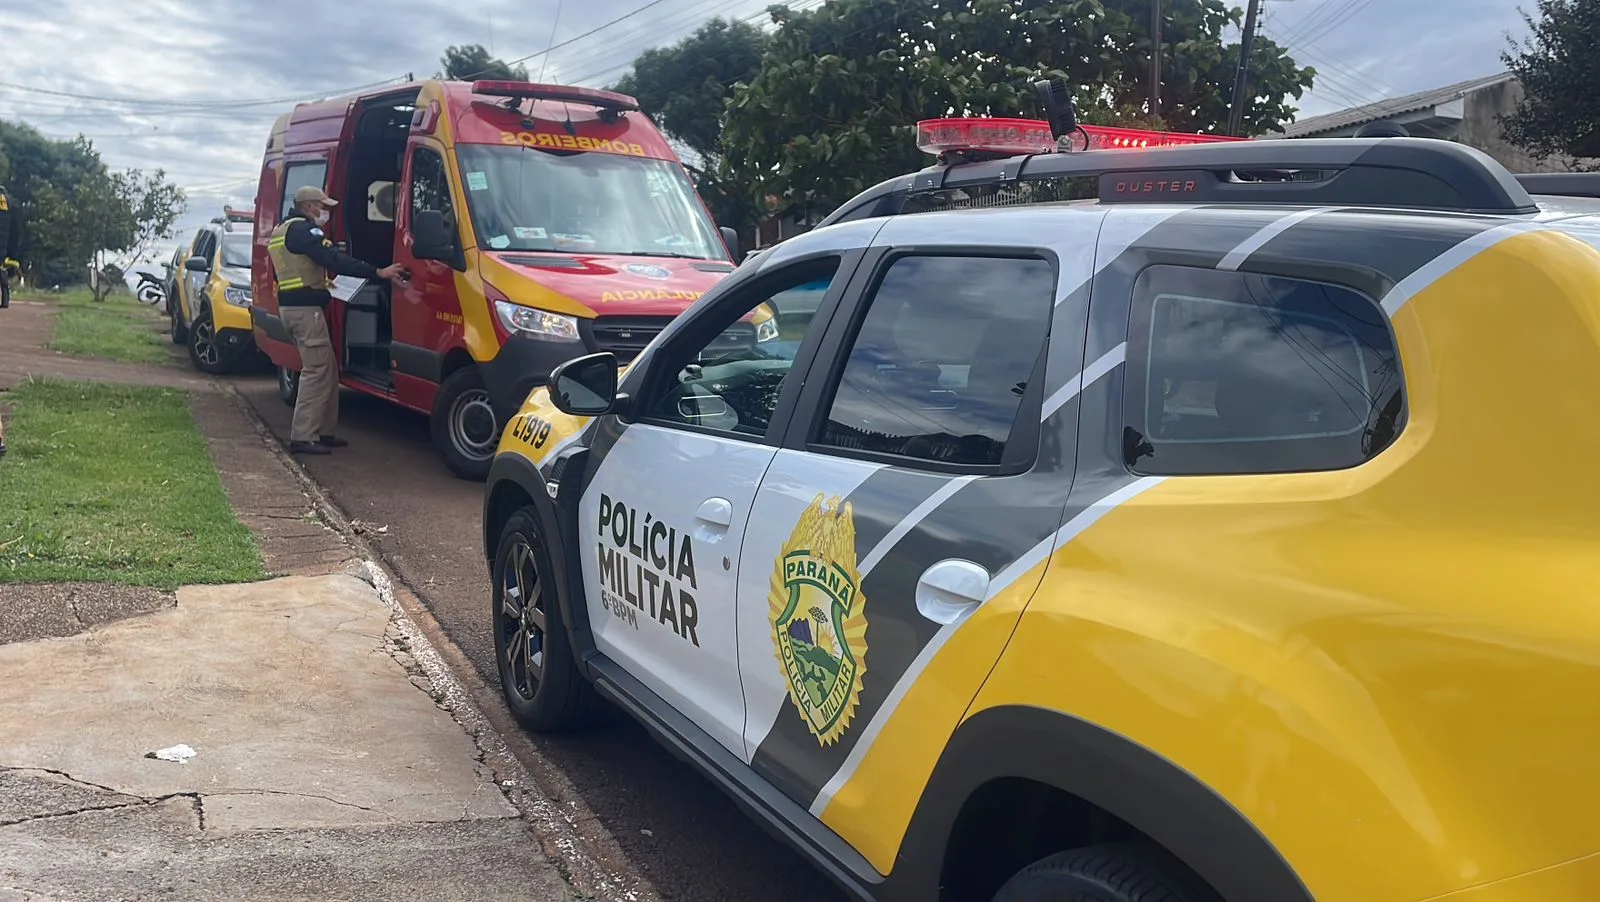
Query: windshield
{"type": "Point", "coordinates": [527, 199]}
{"type": "Point", "coordinates": [236, 250]}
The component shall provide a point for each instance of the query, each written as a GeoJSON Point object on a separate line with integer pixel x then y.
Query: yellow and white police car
{"type": "Point", "coordinates": [1184, 524]}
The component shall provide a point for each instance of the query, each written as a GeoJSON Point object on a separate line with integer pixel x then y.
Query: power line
{"type": "Point", "coordinates": [187, 104]}
{"type": "Point", "coordinates": [1332, 24]}
{"type": "Point", "coordinates": [799, 6]}
{"type": "Point", "coordinates": [659, 30]}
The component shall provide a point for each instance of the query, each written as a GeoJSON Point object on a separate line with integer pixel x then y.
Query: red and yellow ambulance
{"type": "Point", "coordinates": [538, 223]}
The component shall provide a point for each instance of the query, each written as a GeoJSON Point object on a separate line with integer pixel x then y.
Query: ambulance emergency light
{"type": "Point", "coordinates": [523, 90]}
{"type": "Point", "coordinates": [1009, 137]}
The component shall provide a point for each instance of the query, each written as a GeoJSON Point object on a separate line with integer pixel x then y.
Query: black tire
{"type": "Point", "coordinates": [288, 385]}
{"type": "Point", "coordinates": [204, 352]}
{"type": "Point", "coordinates": [1114, 872]}
{"type": "Point", "coordinates": [180, 332]}
{"type": "Point", "coordinates": [465, 428]}
{"type": "Point", "coordinates": [539, 677]}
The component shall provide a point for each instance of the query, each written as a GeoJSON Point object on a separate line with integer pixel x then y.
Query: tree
{"type": "Point", "coordinates": [833, 109]}
{"type": "Point", "coordinates": [156, 204]}
{"type": "Point", "coordinates": [101, 222]}
{"type": "Point", "coordinates": [684, 88]}
{"type": "Point", "coordinates": [1560, 111]}
{"type": "Point", "coordinates": [469, 62]}
{"type": "Point", "coordinates": [33, 162]}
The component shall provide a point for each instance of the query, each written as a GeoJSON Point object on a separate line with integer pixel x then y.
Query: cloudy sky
{"type": "Point", "coordinates": [191, 86]}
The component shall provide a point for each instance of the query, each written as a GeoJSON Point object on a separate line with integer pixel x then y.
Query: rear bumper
{"type": "Point", "coordinates": [523, 365]}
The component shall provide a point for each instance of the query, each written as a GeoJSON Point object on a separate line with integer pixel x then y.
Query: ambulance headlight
{"type": "Point", "coordinates": [520, 320]}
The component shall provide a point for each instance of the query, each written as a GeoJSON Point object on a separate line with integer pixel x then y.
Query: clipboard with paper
{"type": "Point", "coordinates": [345, 287]}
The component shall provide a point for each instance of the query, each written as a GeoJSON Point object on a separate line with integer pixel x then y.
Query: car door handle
{"type": "Point", "coordinates": [717, 512]}
{"type": "Point", "coordinates": [950, 589]}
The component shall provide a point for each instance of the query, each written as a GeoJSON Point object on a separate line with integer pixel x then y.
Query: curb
{"type": "Point", "coordinates": [555, 828]}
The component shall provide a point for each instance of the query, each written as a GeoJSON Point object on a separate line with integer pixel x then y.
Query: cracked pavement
{"type": "Point", "coordinates": [326, 766]}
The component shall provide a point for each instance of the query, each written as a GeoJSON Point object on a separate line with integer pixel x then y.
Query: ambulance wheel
{"type": "Point", "coordinates": [1113, 872]}
{"type": "Point", "coordinates": [539, 675]}
{"type": "Point", "coordinates": [288, 385]}
{"type": "Point", "coordinates": [465, 428]}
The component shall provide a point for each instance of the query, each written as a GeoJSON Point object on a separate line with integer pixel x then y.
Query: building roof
{"type": "Point", "coordinates": [1396, 106]}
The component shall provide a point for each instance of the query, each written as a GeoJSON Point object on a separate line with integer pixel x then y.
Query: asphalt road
{"type": "Point", "coordinates": [677, 830]}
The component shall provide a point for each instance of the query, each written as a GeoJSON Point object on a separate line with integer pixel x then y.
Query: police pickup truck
{"type": "Point", "coordinates": [1176, 524]}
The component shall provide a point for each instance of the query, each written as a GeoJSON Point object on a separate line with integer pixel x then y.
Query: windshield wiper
{"type": "Point", "coordinates": [666, 254]}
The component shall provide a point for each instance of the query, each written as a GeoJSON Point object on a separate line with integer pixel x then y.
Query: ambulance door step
{"type": "Point", "coordinates": [379, 379]}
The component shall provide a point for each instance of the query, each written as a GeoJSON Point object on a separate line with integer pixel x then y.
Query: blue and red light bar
{"type": "Point", "coordinates": [1021, 136]}
{"type": "Point", "coordinates": [525, 90]}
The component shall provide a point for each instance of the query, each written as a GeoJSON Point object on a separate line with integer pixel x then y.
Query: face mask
{"type": "Point", "coordinates": [321, 218]}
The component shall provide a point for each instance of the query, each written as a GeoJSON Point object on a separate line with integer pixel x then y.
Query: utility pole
{"type": "Point", "coordinates": [1242, 75]}
{"type": "Point", "coordinates": [1155, 58]}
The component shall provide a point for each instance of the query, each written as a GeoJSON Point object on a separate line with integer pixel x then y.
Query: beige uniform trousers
{"type": "Point", "coordinates": [316, 409]}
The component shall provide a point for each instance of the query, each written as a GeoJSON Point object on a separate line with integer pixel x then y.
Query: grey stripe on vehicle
{"type": "Point", "coordinates": [1392, 244]}
{"type": "Point", "coordinates": [966, 525]}
{"type": "Point", "coordinates": [1089, 395]}
{"type": "Point", "coordinates": [987, 521]}
{"type": "Point", "coordinates": [1017, 561]}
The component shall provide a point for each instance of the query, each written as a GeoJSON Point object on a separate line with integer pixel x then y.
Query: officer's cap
{"type": "Point", "coordinates": [308, 193]}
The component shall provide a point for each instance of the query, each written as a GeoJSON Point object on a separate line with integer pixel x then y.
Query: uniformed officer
{"type": "Point", "coordinates": [302, 259]}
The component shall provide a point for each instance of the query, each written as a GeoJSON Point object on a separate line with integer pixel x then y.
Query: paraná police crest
{"type": "Point", "coordinates": [819, 625]}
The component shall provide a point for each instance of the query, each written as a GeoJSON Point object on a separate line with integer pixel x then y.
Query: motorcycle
{"type": "Point", "coordinates": [150, 290]}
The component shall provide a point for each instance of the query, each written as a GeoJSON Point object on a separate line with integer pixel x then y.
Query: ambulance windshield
{"type": "Point", "coordinates": [529, 199]}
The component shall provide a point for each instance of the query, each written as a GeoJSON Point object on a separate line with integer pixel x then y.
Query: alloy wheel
{"type": "Point", "coordinates": [521, 619]}
{"type": "Point", "coordinates": [204, 341]}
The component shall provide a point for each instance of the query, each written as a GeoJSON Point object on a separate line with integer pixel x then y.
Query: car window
{"type": "Point", "coordinates": [1233, 373]}
{"type": "Point", "coordinates": [731, 383]}
{"type": "Point", "coordinates": [430, 190]}
{"type": "Point", "coordinates": [205, 245]}
{"type": "Point", "coordinates": [939, 364]}
{"type": "Point", "coordinates": [297, 176]}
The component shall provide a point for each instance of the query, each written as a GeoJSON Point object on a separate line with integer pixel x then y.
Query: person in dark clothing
{"type": "Point", "coordinates": [304, 261]}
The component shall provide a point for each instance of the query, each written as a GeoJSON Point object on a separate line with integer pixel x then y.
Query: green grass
{"type": "Point", "coordinates": [113, 483]}
{"type": "Point", "coordinates": [118, 328]}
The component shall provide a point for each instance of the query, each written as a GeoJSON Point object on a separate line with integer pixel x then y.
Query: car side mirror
{"type": "Point", "coordinates": [197, 264]}
{"type": "Point", "coordinates": [730, 237]}
{"type": "Point", "coordinates": [586, 386]}
{"type": "Point", "coordinates": [430, 240]}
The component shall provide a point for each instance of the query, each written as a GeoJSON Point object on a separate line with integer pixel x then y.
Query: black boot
{"type": "Point", "coordinates": [308, 448]}
{"type": "Point", "coordinates": [329, 441]}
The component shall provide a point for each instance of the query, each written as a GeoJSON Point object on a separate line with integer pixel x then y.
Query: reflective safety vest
{"type": "Point", "coordinates": [293, 271]}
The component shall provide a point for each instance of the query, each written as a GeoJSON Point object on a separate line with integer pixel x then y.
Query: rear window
{"type": "Point", "coordinates": [1233, 373]}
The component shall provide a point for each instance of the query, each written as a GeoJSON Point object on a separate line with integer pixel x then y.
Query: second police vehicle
{"type": "Point", "coordinates": [1182, 524]}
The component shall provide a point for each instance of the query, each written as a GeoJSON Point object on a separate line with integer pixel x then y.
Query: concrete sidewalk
{"type": "Point", "coordinates": [323, 769]}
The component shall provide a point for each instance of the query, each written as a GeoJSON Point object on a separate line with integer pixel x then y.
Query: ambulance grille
{"type": "Point", "coordinates": [626, 336]}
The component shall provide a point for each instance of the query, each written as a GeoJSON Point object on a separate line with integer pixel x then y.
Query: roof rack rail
{"type": "Point", "coordinates": [1410, 173]}
{"type": "Point", "coordinates": [1561, 184]}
